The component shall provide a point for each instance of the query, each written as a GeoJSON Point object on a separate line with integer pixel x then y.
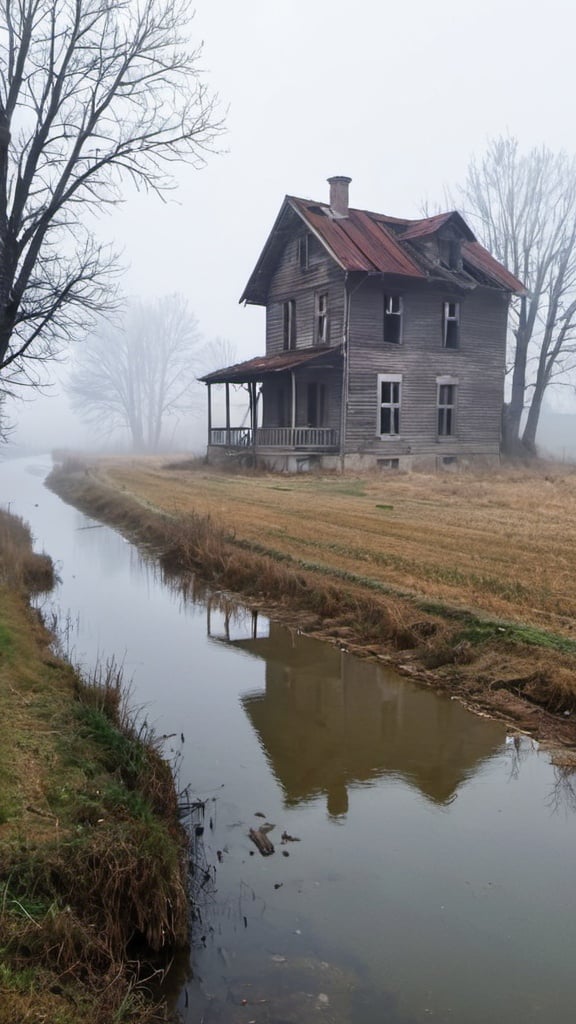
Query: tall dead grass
{"type": "Point", "coordinates": [20, 566]}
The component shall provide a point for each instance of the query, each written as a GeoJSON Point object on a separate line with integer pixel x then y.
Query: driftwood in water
{"type": "Point", "coordinates": [262, 842]}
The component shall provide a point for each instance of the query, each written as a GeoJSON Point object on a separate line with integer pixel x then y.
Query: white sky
{"type": "Point", "coordinates": [398, 95]}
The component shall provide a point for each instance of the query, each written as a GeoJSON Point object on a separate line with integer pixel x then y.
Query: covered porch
{"type": "Point", "coordinates": [292, 405]}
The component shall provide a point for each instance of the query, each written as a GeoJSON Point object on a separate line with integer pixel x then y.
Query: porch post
{"type": "Point", "coordinates": [253, 411]}
{"type": "Point", "coordinates": [293, 418]}
{"type": "Point", "coordinates": [227, 413]}
{"type": "Point", "coordinates": [209, 413]}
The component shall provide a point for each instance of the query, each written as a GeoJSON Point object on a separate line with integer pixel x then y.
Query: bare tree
{"type": "Point", "coordinates": [140, 376]}
{"type": "Point", "coordinates": [217, 354]}
{"type": "Point", "coordinates": [524, 210]}
{"type": "Point", "coordinates": [92, 92]}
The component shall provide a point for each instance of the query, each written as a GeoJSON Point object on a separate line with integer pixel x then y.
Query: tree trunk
{"type": "Point", "coordinates": [511, 442]}
{"type": "Point", "coordinates": [529, 435]}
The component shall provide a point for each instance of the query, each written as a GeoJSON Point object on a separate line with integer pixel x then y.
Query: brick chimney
{"type": "Point", "coordinates": [339, 195]}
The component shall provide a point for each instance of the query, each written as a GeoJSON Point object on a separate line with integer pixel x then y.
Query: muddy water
{"type": "Point", "coordinates": [433, 879]}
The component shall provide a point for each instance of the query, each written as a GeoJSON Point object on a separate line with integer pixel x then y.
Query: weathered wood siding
{"type": "Point", "coordinates": [290, 281]}
{"type": "Point", "coordinates": [478, 364]}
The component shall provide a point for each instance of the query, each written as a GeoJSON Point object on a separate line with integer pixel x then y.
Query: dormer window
{"type": "Point", "coordinates": [450, 251]}
{"type": "Point", "coordinates": [455, 254]}
{"type": "Point", "coordinates": [451, 325]}
{"type": "Point", "coordinates": [393, 319]}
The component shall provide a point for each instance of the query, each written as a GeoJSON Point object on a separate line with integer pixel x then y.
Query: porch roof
{"type": "Point", "coordinates": [262, 366]}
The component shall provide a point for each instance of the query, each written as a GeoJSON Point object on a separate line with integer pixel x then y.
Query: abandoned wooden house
{"type": "Point", "coordinates": [385, 343]}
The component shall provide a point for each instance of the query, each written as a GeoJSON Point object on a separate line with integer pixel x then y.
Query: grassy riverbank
{"type": "Point", "coordinates": [92, 857]}
{"type": "Point", "coordinates": [460, 580]}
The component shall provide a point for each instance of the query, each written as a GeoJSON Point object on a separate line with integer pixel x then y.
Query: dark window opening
{"type": "Point", "coordinates": [389, 406]}
{"type": "Point", "coordinates": [304, 251]}
{"type": "Point", "coordinates": [392, 319]}
{"type": "Point", "coordinates": [446, 409]}
{"type": "Point", "coordinates": [455, 254]}
{"type": "Point", "coordinates": [451, 324]}
{"type": "Point", "coordinates": [388, 463]}
{"type": "Point", "coordinates": [290, 324]}
{"type": "Point", "coordinates": [322, 331]}
{"type": "Point", "coordinates": [315, 404]}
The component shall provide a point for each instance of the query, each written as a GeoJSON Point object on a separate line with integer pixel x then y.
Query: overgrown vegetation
{"type": "Point", "coordinates": [92, 856]}
{"type": "Point", "coordinates": [363, 594]}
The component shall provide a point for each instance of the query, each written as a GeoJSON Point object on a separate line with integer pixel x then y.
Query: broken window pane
{"type": "Point", "coordinates": [451, 324]}
{"type": "Point", "coordinates": [393, 319]}
{"type": "Point", "coordinates": [322, 332]}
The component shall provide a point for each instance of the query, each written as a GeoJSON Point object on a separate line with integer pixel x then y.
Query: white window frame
{"type": "Point", "coordinates": [389, 378]}
{"type": "Point", "coordinates": [442, 382]}
{"type": "Point", "coordinates": [322, 319]}
{"type": "Point", "coordinates": [389, 302]}
{"type": "Point", "coordinates": [450, 318]}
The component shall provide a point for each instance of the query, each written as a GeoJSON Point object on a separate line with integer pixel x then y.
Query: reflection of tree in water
{"type": "Point", "coordinates": [328, 721]}
{"type": "Point", "coordinates": [518, 748]}
{"type": "Point", "coordinates": [562, 796]}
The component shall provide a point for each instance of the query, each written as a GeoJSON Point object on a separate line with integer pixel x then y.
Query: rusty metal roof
{"type": "Point", "coordinates": [358, 242]}
{"type": "Point", "coordinates": [480, 259]}
{"type": "Point", "coordinates": [262, 366]}
{"type": "Point", "coordinates": [373, 243]}
{"type": "Point", "coordinates": [430, 225]}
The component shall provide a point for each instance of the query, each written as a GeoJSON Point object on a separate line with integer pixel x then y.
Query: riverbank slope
{"type": "Point", "coordinates": [92, 856]}
{"type": "Point", "coordinates": [462, 581]}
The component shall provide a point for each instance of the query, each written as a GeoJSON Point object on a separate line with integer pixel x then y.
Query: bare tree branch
{"type": "Point", "coordinates": [524, 209]}
{"type": "Point", "coordinates": [91, 92]}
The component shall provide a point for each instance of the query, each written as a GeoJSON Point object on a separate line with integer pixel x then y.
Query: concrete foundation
{"type": "Point", "coordinates": [303, 462]}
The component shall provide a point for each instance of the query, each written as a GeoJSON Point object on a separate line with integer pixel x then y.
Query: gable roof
{"type": "Point", "coordinates": [374, 243]}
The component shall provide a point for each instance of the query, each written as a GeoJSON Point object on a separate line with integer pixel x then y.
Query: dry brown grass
{"type": "Point", "coordinates": [502, 544]}
{"type": "Point", "coordinates": [20, 566]}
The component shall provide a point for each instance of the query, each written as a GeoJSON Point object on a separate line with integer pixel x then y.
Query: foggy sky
{"type": "Point", "coordinates": [396, 95]}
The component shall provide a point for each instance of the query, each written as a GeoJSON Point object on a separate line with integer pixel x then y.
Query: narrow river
{"type": "Point", "coordinates": [433, 879]}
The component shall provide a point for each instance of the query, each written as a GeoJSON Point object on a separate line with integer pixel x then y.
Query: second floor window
{"type": "Point", "coordinates": [304, 251]}
{"type": "Point", "coordinates": [289, 313]}
{"type": "Point", "coordinates": [322, 324]}
{"type": "Point", "coordinates": [451, 325]}
{"type": "Point", "coordinates": [393, 319]}
{"type": "Point", "coordinates": [389, 397]}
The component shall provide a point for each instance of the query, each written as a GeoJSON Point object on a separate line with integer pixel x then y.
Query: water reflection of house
{"type": "Point", "coordinates": [328, 720]}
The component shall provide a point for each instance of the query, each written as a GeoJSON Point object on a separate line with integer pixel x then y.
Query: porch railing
{"type": "Point", "coordinates": [276, 437]}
